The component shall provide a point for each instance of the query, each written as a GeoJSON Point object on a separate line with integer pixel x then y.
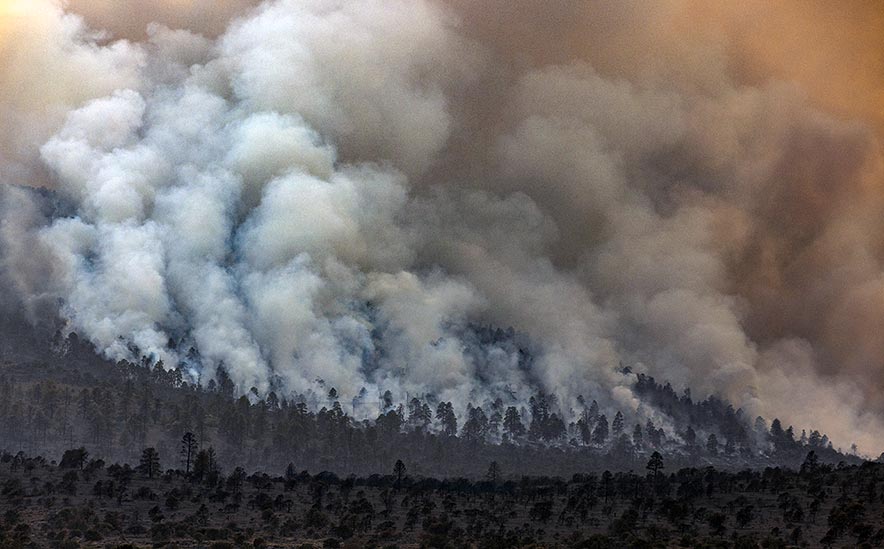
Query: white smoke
{"type": "Point", "coordinates": [329, 194]}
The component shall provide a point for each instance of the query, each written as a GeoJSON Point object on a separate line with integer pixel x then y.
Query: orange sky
{"type": "Point", "coordinates": [834, 50]}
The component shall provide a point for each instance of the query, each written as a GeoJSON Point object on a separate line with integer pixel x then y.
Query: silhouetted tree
{"type": "Point", "coordinates": [512, 424]}
{"type": "Point", "coordinates": [637, 438]}
{"type": "Point", "coordinates": [399, 471]}
{"type": "Point", "coordinates": [555, 428]}
{"type": "Point", "coordinates": [621, 447]}
{"type": "Point", "coordinates": [493, 474]}
{"type": "Point", "coordinates": [690, 436]}
{"type": "Point", "coordinates": [188, 450]}
{"type": "Point", "coordinates": [712, 444]}
{"type": "Point", "coordinates": [593, 413]}
{"type": "Point", "coordinates": [729, 447]}
{"type": "Point", "coordinates": [777, 435]}
{"type": "Point", "coordinates": [540, 411]}
{"type": "Point", "coordinates": [617, 425]}
{"type": "Point", "coordinates": [149, 464]}
{"type": "Point", "coordinates": [446, 418]}
{"type": "Point", "coordinates": [476, 427]}
{"type": "Point", "coordinates": [235, 480]}
{"type": "Point", "coordinates": [225, 385]}
{"type": "Point", "coordinates": [655, 464]}
{"type": "Point", "coordinates": [607, 480]}
{"type": "Point", "coordinates": [419, 415]}
{"type": "Point", "coordinates": [74, 458]}
{"type": "Point", "coordinates": [600, 433]}
{"type": "Point", "coordinates": [205, 464]}
{"type": "Point", "coordinates": [811, 463]}
{"type": "Point", "coordinates": [760, 425]}
{"type": "Point", "coordinates": [653, 435]}
{"type": "Point", "coordinates": [584, 429]}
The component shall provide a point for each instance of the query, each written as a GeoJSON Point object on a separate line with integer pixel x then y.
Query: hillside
{"type": "Point", "coordinates": [61, 396]}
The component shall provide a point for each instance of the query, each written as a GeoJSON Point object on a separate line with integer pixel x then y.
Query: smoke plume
{"type": "Point", "coordinates": [331, 194]}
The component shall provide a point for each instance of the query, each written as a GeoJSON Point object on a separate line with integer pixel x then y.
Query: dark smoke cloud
{"type": "Point", "coordinates": [335, 191]}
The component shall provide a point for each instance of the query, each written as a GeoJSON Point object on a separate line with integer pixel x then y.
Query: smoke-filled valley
{"type": "Point", "coordinates": [456, 202]}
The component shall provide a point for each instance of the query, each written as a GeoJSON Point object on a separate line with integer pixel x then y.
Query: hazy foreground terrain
{"type": "Point", "coordinates": [87, 503]}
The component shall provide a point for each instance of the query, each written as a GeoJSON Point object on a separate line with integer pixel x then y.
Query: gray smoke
{"type": "Point", "coordinates": [328, 194]}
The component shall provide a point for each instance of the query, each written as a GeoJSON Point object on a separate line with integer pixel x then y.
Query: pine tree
{"type": "Point", "coordinates": [593, 413]}
{"type": "Point", "coordinates": [476, 427]}
{"type": "Point", "coordinates": [760, 425]}
{"type": "Point", "coordinates": [188, 450]}
{"type": "Point", "coordinates": [600, 433]}
{"type": "Point", "coordinates": [205, 464]}
{"type": "Point", "coordinates": [493, 474]}
{"type": "Point", "coordinates": [690, 436]}
{"type": "Point", "coordinates": [655, 464]}
{"type": "Point", "coordinates": [729, 447]}
{"type": "Point", "coordinates": [811, 463]}
{"type": "Point", "coordinates": [540, 412]}
{"type": "Point", "coordinates": [419, 415]}
{"type": "Point", "coordinates": [712, 444]}
{"type": "Point", "coordinates": [149, 464]}
{"type": "Point", "coordinates": [236, 478]}
{"type": "Point", "coordinates": [399, 471]}
{"type": "Point", "coordinates": [637, 438]}
{"type": "Point", "coordinates": [617, 425]}
{"type": "Point", "coordinates": [446, 418]}
{"type": "Point", "coordinates": [777, 435]}
{"type": "Point", "coordinates": [512, 424]}
{"type": "Point", "coordinates": [653, 434]}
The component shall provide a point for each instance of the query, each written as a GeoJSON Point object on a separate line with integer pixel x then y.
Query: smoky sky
{"type": "Point", "coordinates": [328, 194]}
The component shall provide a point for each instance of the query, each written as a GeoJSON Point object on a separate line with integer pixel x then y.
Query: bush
{"type": "Point", "coordinates": [145, 493]}
{"type": "Point", "coordinates": [315, 519]}
{"type": "Point", "coordinates": [12, 488]}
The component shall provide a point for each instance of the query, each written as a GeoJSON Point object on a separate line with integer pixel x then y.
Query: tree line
{"type": "Point", "coordinates": [113, 409]}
